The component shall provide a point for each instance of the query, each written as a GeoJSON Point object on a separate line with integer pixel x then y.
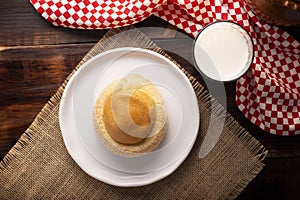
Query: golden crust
{"type": "Point", "coordinates": [147, 144]}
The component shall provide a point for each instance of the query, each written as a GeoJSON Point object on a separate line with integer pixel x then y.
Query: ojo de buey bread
{"type": "Point", "coordinates": [130, 116]}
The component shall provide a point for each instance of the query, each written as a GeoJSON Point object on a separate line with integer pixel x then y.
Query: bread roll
{"type": "Point", "coordinates": [130, 116]}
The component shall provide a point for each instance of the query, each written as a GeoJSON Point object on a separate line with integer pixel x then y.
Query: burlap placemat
{"type": "Point", "coordinates": [39, 166]}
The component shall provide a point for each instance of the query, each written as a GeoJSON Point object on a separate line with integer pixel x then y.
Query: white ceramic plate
{"type": "Point", "coordinates": [76, 112]}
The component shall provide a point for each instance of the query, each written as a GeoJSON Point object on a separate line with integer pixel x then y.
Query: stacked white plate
{"type": "Point", "coordinates": [77, 125]}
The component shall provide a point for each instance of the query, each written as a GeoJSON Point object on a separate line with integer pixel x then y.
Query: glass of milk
{"type": "Point", "coordinates": [223, 51]}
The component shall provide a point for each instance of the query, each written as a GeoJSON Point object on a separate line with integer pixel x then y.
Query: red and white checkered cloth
{"type": "Point", "coordinates": [268, 94]}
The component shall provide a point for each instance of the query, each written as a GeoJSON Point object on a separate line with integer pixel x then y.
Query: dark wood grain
{"type": "Point", "coordinates": [36, 57]}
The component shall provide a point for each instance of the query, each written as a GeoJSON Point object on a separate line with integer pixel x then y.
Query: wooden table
{"type": "Point", "coordinates": [36, 57]}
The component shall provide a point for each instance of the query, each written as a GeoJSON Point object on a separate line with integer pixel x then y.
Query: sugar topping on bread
{"type": "Point", "coordinates": [130, 116]}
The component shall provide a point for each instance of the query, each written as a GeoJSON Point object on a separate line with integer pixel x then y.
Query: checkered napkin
{"type": "Point", "coordinates": [268, 94]}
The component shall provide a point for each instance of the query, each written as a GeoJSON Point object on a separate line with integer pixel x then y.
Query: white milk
{"type": "Point", "coordinates": [223, 51]}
